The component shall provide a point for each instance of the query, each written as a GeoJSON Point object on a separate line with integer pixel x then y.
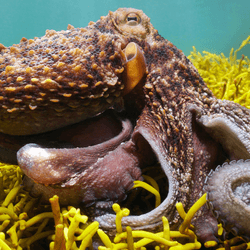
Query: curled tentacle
{"type": "Point", "coordinates": [103, 171]}
{"type": "Point", "coordinates": [228, 195]}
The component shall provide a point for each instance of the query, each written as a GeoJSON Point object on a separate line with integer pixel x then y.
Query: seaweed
{"type": "Point", "coordinates": [227, 77]}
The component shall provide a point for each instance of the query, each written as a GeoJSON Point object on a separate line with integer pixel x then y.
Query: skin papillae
{"type": "Point", "coordinates": [178, 121]}
{"type": "Point", "coordinates": [59, 79]}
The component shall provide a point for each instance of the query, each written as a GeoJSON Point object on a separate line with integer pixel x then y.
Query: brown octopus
{"type": "Point", "coordinates": [146, 103]}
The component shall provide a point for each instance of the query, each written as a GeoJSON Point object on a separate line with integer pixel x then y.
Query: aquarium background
{"type": "Point", "coordinates": [214, 25]}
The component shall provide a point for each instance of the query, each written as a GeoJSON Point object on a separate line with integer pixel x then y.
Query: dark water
{"type": "Point", "coordinates": [214, 25]}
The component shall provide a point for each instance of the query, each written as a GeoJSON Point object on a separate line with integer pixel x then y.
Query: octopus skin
{"type": "Point", "coordinates": [61, 78]}
{"type": "Point", "coordinates": [175, 118]}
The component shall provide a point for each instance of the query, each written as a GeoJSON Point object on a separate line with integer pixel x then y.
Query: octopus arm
{"type": "Point", "coordinates": [85, 174]}
{"type": "Point", "coordinates": [144, 133]}
{"type": "Point", "coordinates": [228, 190]}
{"type": "Point", "coordinates": [228, 124]}
{"type": "Point", "coordinates": [230, 127]}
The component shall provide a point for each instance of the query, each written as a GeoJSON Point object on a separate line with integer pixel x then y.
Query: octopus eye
{"type": "Point", "coordinates": [133, 19]}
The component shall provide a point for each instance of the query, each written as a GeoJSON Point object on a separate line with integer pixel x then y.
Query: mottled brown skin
{"type": "Point", "coordinates": [59, 79]}
{"type": "Point", "coordinates": [187, 129]}
{"type": "Point", "coordinates": [175, 123]}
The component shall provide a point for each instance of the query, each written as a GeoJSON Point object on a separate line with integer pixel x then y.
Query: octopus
{"type": "Point", "coordinates": [85, 111]}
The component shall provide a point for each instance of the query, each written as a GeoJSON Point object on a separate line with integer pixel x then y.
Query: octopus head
{"type": "Point", "coordinates": [131, 22]}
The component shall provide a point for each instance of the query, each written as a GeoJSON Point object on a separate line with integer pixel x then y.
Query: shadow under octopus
{"type": "Point", "coordinates": [135, 101]}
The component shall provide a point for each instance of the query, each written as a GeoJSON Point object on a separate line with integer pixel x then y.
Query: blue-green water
{"type": "Point", "coordinates": [212, 25]}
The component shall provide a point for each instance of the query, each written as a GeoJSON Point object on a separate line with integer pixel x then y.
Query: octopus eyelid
{"type": "Point", "coordinates": [133, 19]}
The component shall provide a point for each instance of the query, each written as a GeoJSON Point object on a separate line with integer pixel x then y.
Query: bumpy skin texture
{"type": "Point", "coordinates": [59, 79]}
{"type": "Point", "coordinates": [188, 130]}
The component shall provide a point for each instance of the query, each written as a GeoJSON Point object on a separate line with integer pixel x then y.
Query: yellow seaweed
{"type": "Point", "coordinates": [228, 78]}
{"type": "Point", "coordinates": [149, 188]}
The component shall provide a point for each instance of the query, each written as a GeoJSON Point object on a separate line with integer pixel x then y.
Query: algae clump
{"type": "Point", "coordinates": [228, 78]}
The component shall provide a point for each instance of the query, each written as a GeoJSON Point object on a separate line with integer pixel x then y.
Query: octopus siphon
{"type": "Point", "coordinates": [89, 109]}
